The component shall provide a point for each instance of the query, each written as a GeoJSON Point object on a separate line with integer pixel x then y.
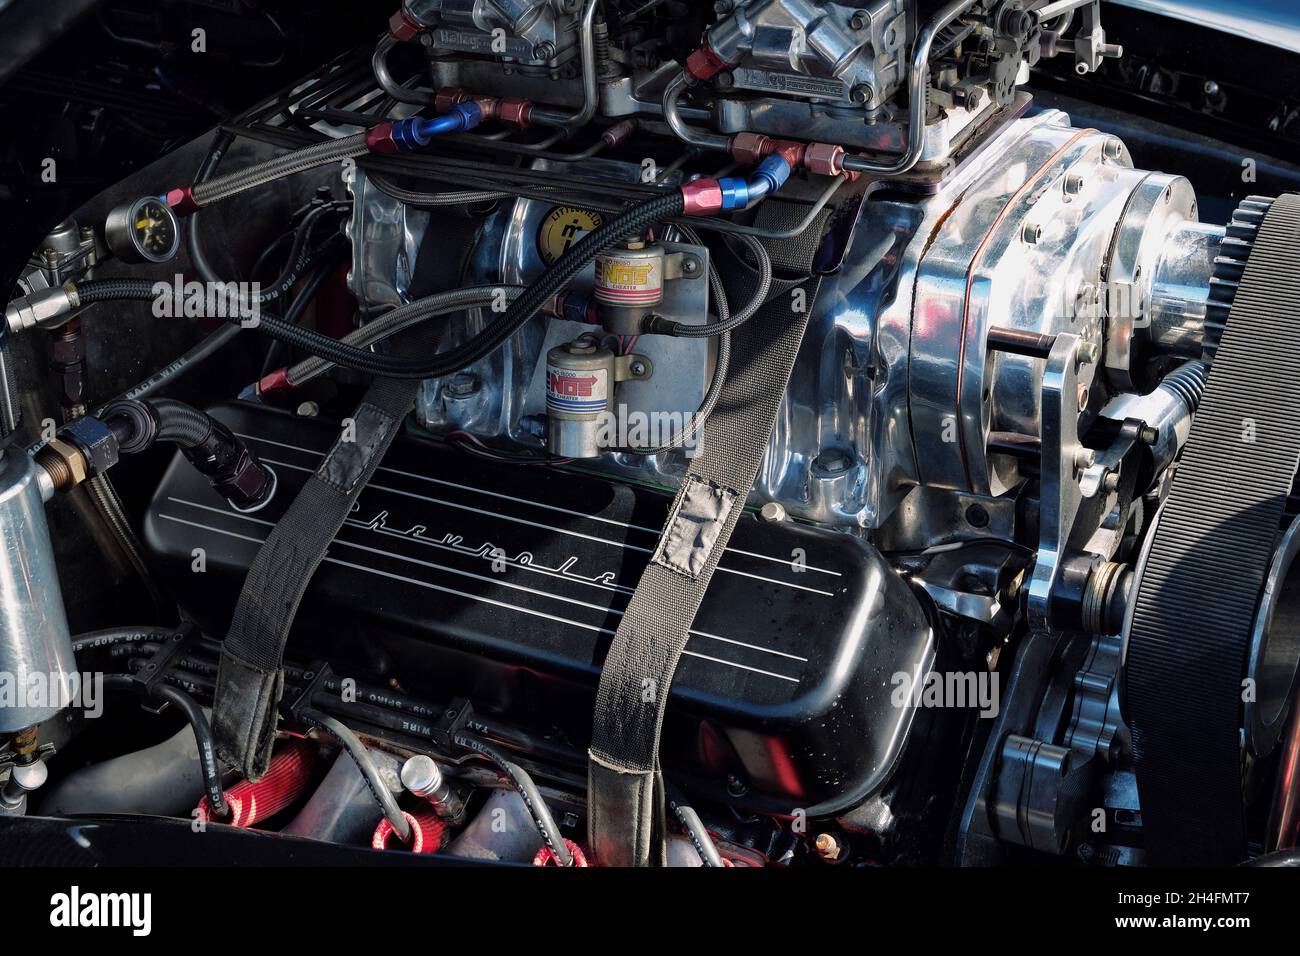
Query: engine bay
{"type": "Point", "coordinates": [770, 433]}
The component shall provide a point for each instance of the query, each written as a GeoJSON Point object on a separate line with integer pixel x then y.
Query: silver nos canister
{"type": "Point", "coordinates": [580, 379]}
{"type": "Point", "coordinates": [629, 284]}
{"type": "Point", "coordinates": [36, 658]}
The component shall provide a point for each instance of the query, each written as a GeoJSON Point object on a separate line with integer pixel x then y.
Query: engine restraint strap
{"type": "Point", "coordinates": [250, 677]}
{"type": "Point", "coordinates": [625, 793]}
{"type": "Point", "coordinates": [1195, 604]}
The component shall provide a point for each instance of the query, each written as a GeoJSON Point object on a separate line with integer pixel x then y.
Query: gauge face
{"type": "Point", "coordinates": [154, 231]}
{"type": "Point", "coordinates": [144, 230]}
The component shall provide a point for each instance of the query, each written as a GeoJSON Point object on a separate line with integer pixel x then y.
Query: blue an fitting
{"type": "Point", "coordinates": [773, 171]}
{"type": "Point", "coordinates": [418, 130]}
{"type": "Point", "coordinates": [576, 307]}
{"type": "Point", "coordinates": [770, 176]}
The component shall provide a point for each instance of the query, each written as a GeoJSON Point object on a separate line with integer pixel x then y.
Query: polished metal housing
{"type": "Point", "coordinates": [36, 659]}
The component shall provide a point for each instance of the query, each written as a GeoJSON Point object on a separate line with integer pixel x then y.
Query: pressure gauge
{"type": "Point", "coordinates": [145, 230]}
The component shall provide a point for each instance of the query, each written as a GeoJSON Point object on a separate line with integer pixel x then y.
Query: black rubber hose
{"type": "Point", "coordinates": [632, 222]}
{"type": "Point", "coordinates": [366, 764]}
{"type": "Point", "coordinates": [529, 303]}
{"type": "Point", "coordinates": [218, 338]}
{"type": "Point", "coordinates": [655, 325]}
{"type": "Point", "coordinates": [143, 290]}
{"type": "Point", "coordinates": [293, 315]}
{"type": "Point", "coordinates": [301, 257]}
{"type": "Point", "coordinates": [180, 423]}
{"type": "Point", "coordinates": [522, 783]}
{"type": "Point", "coordinates": [198, 723]}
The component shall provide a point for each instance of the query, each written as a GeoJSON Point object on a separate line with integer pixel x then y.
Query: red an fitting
{"type": "Point", "coordinates": [403, 26]}
{"type": "Point", "coordinates": [426, 833]}
{"type": "Point", "coordinates": [824, 159]}
{"type": "Point", "coordinates": [516, 111]}
{"type": "Point", "coordinates": [789, 150]}
{"type": "Point", "coordinates": [277, 381]}
{"type": "Point", "coordinates": [704, 64]}
{"type": "Point", "coordinates": [182, 201]}
{"type": "Point", "coordinates": [489, 107]}
{"type": "Point", "coordinates": [703, 197]}
{"type": "Point", "coordinates": [749, 149]}
{"type": "Point", "coordinates": [379, 139]}
{"type": "Point", "coordinates": [449, 96]}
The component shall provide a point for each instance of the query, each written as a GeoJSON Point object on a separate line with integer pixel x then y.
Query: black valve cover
{"type": "Point", "coordinates": [504, 583]}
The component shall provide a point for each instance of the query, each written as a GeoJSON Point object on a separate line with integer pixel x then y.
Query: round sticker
{"type": "Point", "coordinates": [562, 227]}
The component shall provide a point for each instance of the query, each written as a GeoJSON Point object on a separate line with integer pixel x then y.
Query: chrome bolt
{"type": "Point", "coordinates": [1032, 233]}
{"type": "Point", "coordinates": [1073, 184]}
{"type": "Point", "coordinates": [421, 775]}
{"type": "Point", "coordinates": [772, 512]}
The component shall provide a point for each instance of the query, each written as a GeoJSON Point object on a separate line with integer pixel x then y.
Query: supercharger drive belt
{"type": "Point", "coordinates": [1196, 600]}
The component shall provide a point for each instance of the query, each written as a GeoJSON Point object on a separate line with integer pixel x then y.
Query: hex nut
{"type": "Point", "coordinates": [824, 159]}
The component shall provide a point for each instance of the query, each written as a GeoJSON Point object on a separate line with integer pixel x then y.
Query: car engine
{"type": "Point", "coordinates": [772, 433]}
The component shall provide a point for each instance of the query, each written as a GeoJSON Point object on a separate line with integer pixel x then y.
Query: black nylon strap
{"type": "Point", "coordinates": [1195, 605]}
{"type": "Point", "coordinates": [625, 790]}
{"type": "Point", "coordinates": [250, 678]}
